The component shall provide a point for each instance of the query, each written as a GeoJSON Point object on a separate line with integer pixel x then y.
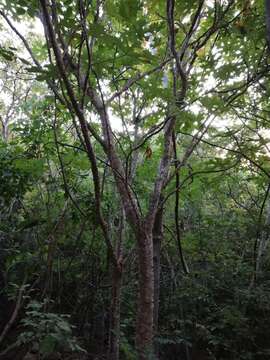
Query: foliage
{"type": "Point", "coordinates": [47, 332]}
{"type": "Point", "coordinates": [217, 186]}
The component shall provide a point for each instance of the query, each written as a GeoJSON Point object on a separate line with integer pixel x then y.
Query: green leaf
{"type": "Point", "coordinates": [128, 9]}
{"type": "Point", "coordinates": [26, 62]}
{"type": "Point", "coordinates": [47, 345]}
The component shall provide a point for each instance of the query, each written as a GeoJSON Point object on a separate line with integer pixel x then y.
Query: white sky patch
{"type": "Point", "coordinates": [116, 122]}
{"type": "Point", "coordinates": [25, 28]}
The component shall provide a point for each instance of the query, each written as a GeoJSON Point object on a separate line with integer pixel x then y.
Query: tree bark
{"type": "Point", "coordinates": [115, 315]}
{"type": "Point", "coordinates": [144, 326]}
{"type": "Point", "coordinates": [157, 239]}
{"type": "Point", "coordinates": [114, 331]}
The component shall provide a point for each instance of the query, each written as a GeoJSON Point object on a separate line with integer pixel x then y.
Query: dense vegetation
{"type": "Point", "coordinates": [135, 179]}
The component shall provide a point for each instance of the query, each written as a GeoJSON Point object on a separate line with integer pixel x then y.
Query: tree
{"type": "Point", "coordinates": [108, 60]}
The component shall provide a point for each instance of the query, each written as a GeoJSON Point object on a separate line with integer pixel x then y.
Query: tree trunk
{"type": "Point", "coordinates": [157, 239]}
{"type": "Point", "coordinates": [144, 326]}
{"type": "Point", "coordinates": [114, 331]}
{"type": "Point", "coordinates": [117, 272]}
